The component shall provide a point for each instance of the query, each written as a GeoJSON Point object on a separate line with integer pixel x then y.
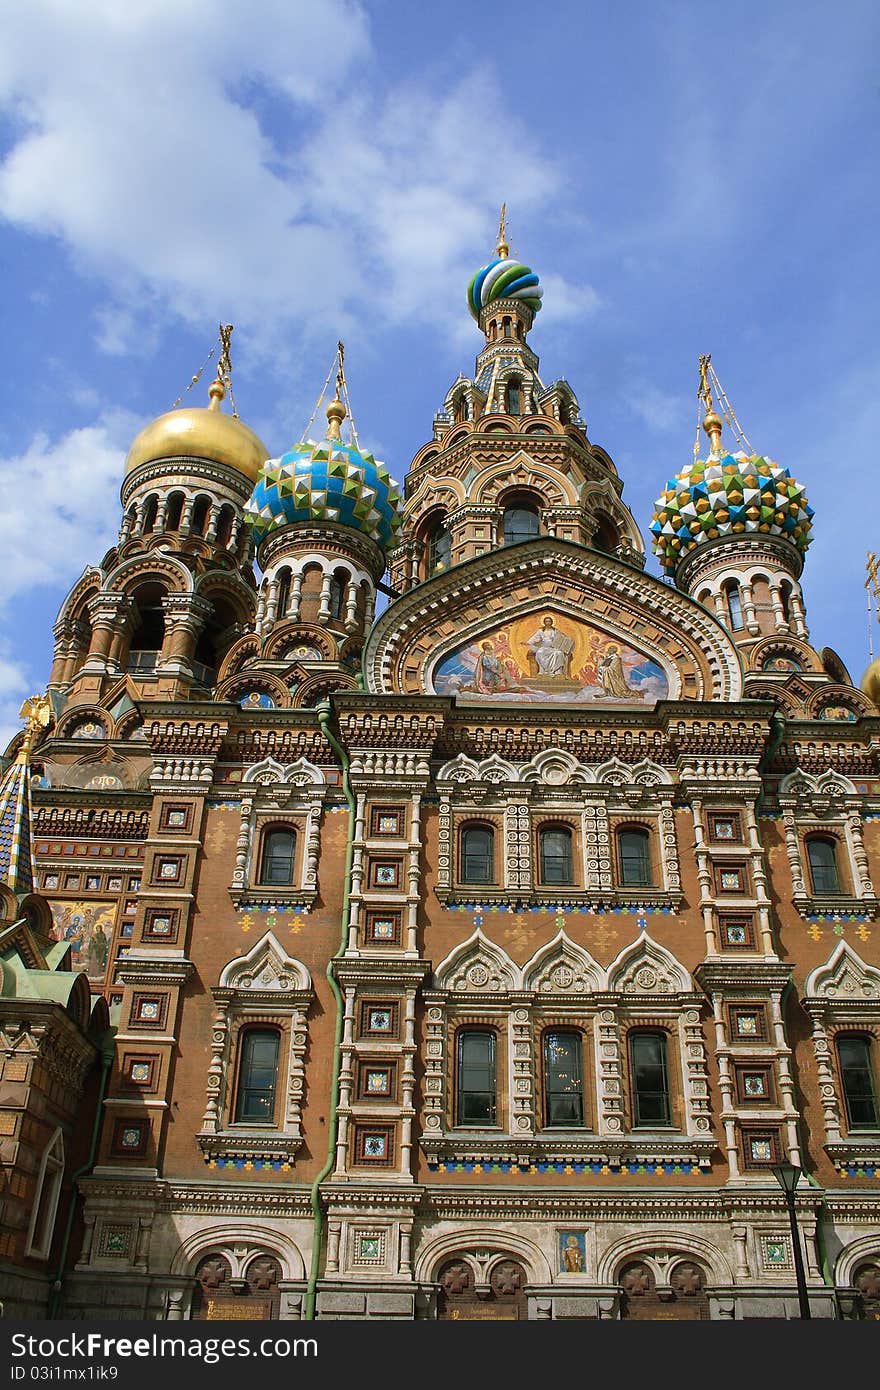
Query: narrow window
{"type": "Point", "coordinates": [150, 511]}
{"type": "Point", "coordinates": [854, 1056]}
{"type": "Point", "coordinates": [556, 855]}
{"type": "Point", "coordinates": [276, 865]}
{"type": "Point", "coordinates": [478, 854]}
{"type": "Point", "coordinates": [650, 1086]}
{"type": "Point", "coordinates": [734, 605]}
{"type": "Point", "coordinates": [336, 592]}
{"type": "Point", "coordinates": [439, 549]}
{"type": "Point", "coordinates": [634, 853]}
{"type": "Point", "coordinates": [199, 521]}
{"type": "Point", "coordinates": [283, 593]}
{"type": "Point", "coordinates": [822, 855]}
{"type": "Point", "coordinates": [785, 600]}
{"type": "Point", "coordinates": [520, 524]}
{"type": "Point", "coordinates": [514, 397]}
{"type": "Point", "coordinates": [563, 1080]}
{"type": "Point", "coordinates": [476, 1078]}
{"type": "Point", "coordinates": [257, 1077]}
{"type": "Point", "coordinates": [174, 511]}
{"type": "Point", "coordinates": [45, 1204]}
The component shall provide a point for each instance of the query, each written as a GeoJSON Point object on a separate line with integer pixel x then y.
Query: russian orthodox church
{"type": "Point", "coordinates": [448, 918]}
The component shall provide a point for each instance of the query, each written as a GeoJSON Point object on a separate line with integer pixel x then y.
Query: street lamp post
{"type": "Point", "coordinates": [787, 1175]}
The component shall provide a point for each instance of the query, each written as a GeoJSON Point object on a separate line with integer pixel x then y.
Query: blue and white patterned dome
{"type": "Point", "coordinates": [330, 481]}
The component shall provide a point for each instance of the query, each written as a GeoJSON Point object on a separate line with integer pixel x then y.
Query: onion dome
{"type": "Point", "coordinates": [729, 495]}
{"type": "Point", "coordinates": [201, 432]}
{"type": "Point", "coordinates": [504, 279]}
{"type": "Point", "coordinates": [870, 682]}
{"type": "Point", "coordinates": [329, 481]}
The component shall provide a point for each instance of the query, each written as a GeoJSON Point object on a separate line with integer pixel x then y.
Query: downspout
{"type": "Point", "coordinates": [323, 713]}
{"type": "Point", "coordinates": [106, 1062]}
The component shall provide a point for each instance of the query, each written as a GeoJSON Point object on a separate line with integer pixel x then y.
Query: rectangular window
{"type": "Point", "coordinates": [374, 1144]}
{"type": "Point", "coordinates": [257, 1077]}
{"type": "Point", "coordinates": [556, 855]}
{"type": "Point", "coordinates": [387, 820]}
{"type": "Point", "coordinates": [650, 1086]}
{"type": "Point", "coordinates": [376, 1080]}
{"type": "Point", "coordinates": [383, 928]}
{"type": "Point", "coordinates": [754, 1085]}
{"type": "Point", "coordinates": [737, 932]}
{"type": "Point", "coordinates": [478, 854]}
{"type": "Point", "coordinates": [385, 873]}
{"type": "Point", "coordinates": [476, 1078]}
{"type": "Point", "coordinates": [634, 851]}
{"type": "Point", "coordinates": [724, 827]}
{"type": "Point", "coordinates": [563, 1080]}
{"type": "Point", "coordinates": [730, 878]}
{"type": "Point", "coordinates": [379, 1019]}
{"type": "Point", "coordinates": [856, 1074]}
{"type": "Point", "coordinates": [760, 1148]}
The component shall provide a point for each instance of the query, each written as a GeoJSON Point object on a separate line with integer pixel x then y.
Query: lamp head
{"type": "Point", "coordinates": [787, 1175]}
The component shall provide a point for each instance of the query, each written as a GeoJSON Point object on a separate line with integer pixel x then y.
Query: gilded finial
{"type": "Point", "coordinates": [501, 248]}
{"type": "Point", "coordinates": [36, 711]}
{"type": "Point", "coordinates": [336, 411]}
{"type": "Point", "coordinates": [712, 423]}
{"type": "Point", "coordinates": [223, 380]}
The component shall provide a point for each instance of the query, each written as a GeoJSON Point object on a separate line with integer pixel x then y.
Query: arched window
{"type": "Point", "coordinates": [45, 1202]}
{"type": "Point", "coordinates": [649, 1082]}
{"type": "Point", "coordinates": [460, 410]}
{"type": "Point", "coordinates": [506, 328]}
{"type": "Point", "coordinates": [734, 604]}
{"type": "Point", "coordinates": [478, 854]}
{"type": "Point", "coordinates": [174, 511]}
{"type": "Point", "coordinates": [634, 858]}
{"type": "Point", "coordinates": [224, 525]}
{"type": "Point", "coordinates": [556, 854]}
{"type": "Point", "coordinates": [199, 520]}
{"type": "Point", "coordinates": [514, 396]}
{"type": "Point", "coordinates": [336, 596]}
{"type": "Point", "coordinates": [150, 511]}
{"type": "Point", "coordinates": [605, 537]}
{"type": "Point", "coordinates": [563, 1079]}
{"type": "Point", "coordinates": [439, 549]}
{"type": "Point", "coordinates": [283, 593]}
{"type": "Point", "coordinates": [257, 1077]}
{"type": "Point", "coordinates": [785, 600]}
{"type": "Point", "coordinates": [857, 1078]}
{"type": "Point", "coordinates": [520, 523]}
{"type": "Point", "coordinates": [276, 863]}
{"type": "Point", "coordinates": [476, 1094]}
{"type": "Point", "coordinates": [822, 854]}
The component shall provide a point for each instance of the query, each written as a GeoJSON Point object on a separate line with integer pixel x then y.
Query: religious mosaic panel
{"type": "Point", "coordinates": [88, 926]}
{"type": "Point", "coordinates": [549, 657]}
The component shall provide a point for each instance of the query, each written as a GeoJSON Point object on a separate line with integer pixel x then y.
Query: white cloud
{"type": "Point", "coordinates": [15, 685]}
{"type": "Point", "coordinates": [259, 170]}
{"type": "Point", "coordinates": [61, 504]}
{"type": "Point", "coordinates": [660, 410]}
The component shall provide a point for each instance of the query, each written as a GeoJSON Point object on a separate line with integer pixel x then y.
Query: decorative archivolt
{"type": "Point", "coordinates": [562, 967]}
{"type": "Point", "coordinates": [663, 1249]}
{"type": "Point", "coordinates": [266, 968]}
{"type": "Point", "coordinates": [302, 773]}
{"type": "Point", "coordinates": [522, 471]}
{"type": "Point", "coordinates": [554, 767]}
{"type": "Point", "coordinates": [844, 978]}
{"type": "Point", "coordinates": [480, 966]}
{"type": "Point", "coordinates": [805, 787]}
{"type": "Point", "coordinates": [166, 569]}
{"type": "Point", "coordinates": [646, 967]}
{"type": "Point", "coordinates": [447, 493]}
{"type": "Point", "coordinates": [86, 587]}
{"type": "Point", "coordinates": [230, 587]}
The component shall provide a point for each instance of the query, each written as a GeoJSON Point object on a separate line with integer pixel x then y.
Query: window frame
{"type": "Point", "coordinates": [644, 835]}
{"type": "Point", "coordinates": [634, 1036]}
{"type": "Point", "coordinates": [267, 831]}
{"type": "Point", "coordinates": [830, 842]}
{"type": "Point", "coordinates": [556, 828]}
{"type": "Point", "coordinates": [461, 1036]}
{"type": "Point", "coordinates": [867, 1042]}
{"type": "Point", "coordinates": [464, 830]}
{"type": "Point", "coordinates": [246, 1033]}
{"type": "Point", "coordinates": [52, 1168]}
{"type": "Point", "coordinates": [548, 1092]}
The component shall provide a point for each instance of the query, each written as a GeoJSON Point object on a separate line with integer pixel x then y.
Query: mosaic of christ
{"type": "Point", "coordinates": [547, 656]}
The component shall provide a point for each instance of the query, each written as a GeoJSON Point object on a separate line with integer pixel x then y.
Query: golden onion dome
{"type": "Point", "coordinates": [871, 681]}
{"type": "Point", "coordinates": [201, 432]}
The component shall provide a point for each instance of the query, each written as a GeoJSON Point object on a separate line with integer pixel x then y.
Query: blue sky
{"type": "Point", "coordinates": [684, 179]}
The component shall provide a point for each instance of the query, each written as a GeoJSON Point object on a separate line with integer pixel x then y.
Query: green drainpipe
{"type": "Point", "coordinates": [323, 712]}
{"type": "Point", "coordinates": [106, 1062]}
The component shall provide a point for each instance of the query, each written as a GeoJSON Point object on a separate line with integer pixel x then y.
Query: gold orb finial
{"type": "Point", "coordinates": [502, 250]}
{"type": "Point", "coordinates": [336, 411]}
{"type": "Point", "coordinates": [712, 423]}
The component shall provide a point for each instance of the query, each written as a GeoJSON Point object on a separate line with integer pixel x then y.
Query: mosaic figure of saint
{"type": "Point", "coordinates": [489, 674]}
{"type": "Point", "coordinates": [551, 649]}
{"type": "Point", "coordinates": [612, 674]}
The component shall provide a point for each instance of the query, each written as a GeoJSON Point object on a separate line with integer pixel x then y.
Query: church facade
{"type": "Point", "coordinates": [481, 918]}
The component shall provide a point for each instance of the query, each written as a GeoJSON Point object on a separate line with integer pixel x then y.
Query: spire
{"type": "Point", "coordinates": [336, 411]}
{"type": "Point", "coordinates": [223, 380]}
{"type": "Point", "coordinates": [502, 250]}
{"type": "Point", "coordinates": [711, 423]}
{"type": "Point", "coordinates": [16, 864]}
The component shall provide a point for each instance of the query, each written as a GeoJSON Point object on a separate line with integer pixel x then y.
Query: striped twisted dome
{"type": "Point", "coordinates": [503, 278]}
